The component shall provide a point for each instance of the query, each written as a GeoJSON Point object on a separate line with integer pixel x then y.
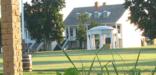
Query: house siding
{"type": "Point", "coordinates": [131, 36]}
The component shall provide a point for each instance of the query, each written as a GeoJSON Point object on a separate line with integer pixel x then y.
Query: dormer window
{"type": "Point", "coordinates": [106, 14]}
{"type": "Point", "coordinates": [97, 14]}
{"type": "Point", "coordinates": [77, 14]}
{"type": "Point", "coordinates": [88, 14]}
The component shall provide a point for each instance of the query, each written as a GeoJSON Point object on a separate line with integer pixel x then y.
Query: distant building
{"type": "Point", "coordinates": [115, 16]}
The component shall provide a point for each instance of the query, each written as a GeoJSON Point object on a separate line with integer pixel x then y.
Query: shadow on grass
{"type": "Point", "coordinates": [92, 52]}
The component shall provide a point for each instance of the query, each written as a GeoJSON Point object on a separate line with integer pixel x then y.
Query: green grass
{"type": "Point", "coordinates": [40, 73]}
{"type": "Point", "coordinates": [50, 60]}
{"type": "Point", "coordinates": [124, 60]}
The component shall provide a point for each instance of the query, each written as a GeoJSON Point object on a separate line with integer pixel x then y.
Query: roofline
{"type": "Point", "coordinates": [99, 6]}
{"type": "Point", "coordinates": [89, 24]}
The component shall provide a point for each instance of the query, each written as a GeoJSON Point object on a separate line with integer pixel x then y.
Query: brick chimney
{"type": "Point", "coordinates": [96, 5]}
{"type": "Point", "coordinates": [104, 3]}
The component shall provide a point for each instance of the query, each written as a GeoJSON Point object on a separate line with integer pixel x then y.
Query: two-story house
{"type": "Point", "coordinates": [115, 16]}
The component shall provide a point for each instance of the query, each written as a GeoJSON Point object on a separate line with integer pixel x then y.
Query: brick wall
{"type": "Point", "coordinates": [11, 37]}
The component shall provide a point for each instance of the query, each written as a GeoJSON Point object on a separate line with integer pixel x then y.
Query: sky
{"type": "Point", "coordinates": [70, 4]}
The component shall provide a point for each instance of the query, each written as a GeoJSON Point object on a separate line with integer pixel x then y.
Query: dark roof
{"type": "Point", "coordinates": [116, 13]}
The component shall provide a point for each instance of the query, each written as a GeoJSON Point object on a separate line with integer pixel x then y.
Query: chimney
{"type": "Point", "coordinates": [104, 3]}
{"type": "Point", "coordinates": [96, 5]}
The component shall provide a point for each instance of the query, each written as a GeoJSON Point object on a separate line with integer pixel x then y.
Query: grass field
{"type": "Point", "coordinates": [124, 60]}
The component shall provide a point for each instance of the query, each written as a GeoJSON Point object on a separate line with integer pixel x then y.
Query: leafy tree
{"type": "Point", "coordinates": [81, 30]}
{"type": "Point", "coordinates": [43, 20]}
{"type": "Point", "coordinates": [93, 23]}
{"type": "Point", "coordinates": [81, 35]}
{"type": "Point", "coordinates": [84, 19]}
{"type": "Point", "coordinates": [143, 14]}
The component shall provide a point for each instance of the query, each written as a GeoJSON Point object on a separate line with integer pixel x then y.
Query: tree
{"type": "Point", "coordinates": [81, 30]}
{"type": "Point", "coordinates": [43, 20]}
{"type": "Point", "coordinates": [93, 23]}
{"type": "Point", "coordinates": [81, 35]}
{"type": "Point", "coordinates": [84, 19]}
{"type": "Point", "coordinates": [143, 15]}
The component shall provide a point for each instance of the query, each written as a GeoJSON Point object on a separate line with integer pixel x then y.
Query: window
{"type": "Point", "coordinates": [97, 14]}
{"type": "Point", "coordinates": [108, 41]}
{"type": "Point", "coordinates": [119, 28]}
{"type": "Point", "coordinates": [67, 33]}
{"type": "Point", "coordinates": [114, 26]}
{"type": "Point", "coordinates": [71, 31]}
{"type": "Point", "coordinates": [88, 14]}
{"type": "Point", "coordinates": [77, 14]}
{"type": "Point", "coordinates": [106, 14]}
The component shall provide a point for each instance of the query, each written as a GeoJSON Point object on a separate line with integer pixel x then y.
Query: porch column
{"type": "Point", "coordinates": [11, 38]}
{"type": "Point", "coordinates": [112, 40]}
{"type": "Point", "coordinates": [74, 33]}
{"type": "Point", "coordinates": [102, 40]}
{"type": "Point", "coordinates": [65, 32]}
{"type": "Point", "coordinates": [69, 32]}
{"type": "Point", "coordinates": [88, 42]}
{"type": "Point", "coordinates": [93, 41]}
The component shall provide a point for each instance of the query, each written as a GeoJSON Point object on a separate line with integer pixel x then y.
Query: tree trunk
{"type": "Point", "coordinates": [47, 45]}
{"type": "Point", "coordinates": [80, 44]}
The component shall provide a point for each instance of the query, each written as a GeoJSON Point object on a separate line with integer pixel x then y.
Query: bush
{"type": "Point", "coordinates": [71, 71]}
{"type": "Point", "coordinates": [135, 72]}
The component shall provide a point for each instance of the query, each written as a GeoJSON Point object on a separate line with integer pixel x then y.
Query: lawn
{"type": "Point", "coordinates": [51, 61]}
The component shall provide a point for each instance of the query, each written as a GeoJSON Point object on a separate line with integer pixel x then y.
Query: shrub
{"type": "Point", "coordinates": [71, 71]}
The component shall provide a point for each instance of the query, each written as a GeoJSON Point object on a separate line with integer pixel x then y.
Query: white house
{"type": "Point", "coordinates": [115, 16]}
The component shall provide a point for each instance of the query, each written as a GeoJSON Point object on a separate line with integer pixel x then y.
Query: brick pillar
{"type": "Point", "coordinates": [11, 38]}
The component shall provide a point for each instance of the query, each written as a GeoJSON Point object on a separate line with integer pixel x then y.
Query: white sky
{"type": "Point", "coordinates": [70, 4]}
